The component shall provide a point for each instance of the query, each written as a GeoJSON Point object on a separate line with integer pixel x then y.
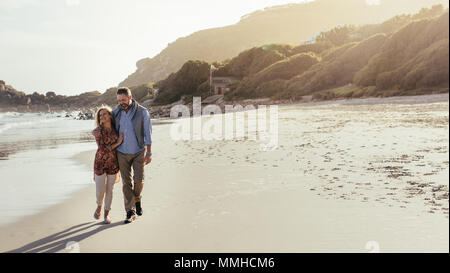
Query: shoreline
{"type": "Point", "coordinates": [239, 202]}
{"type": "Point", "coordinates": [440, 97]}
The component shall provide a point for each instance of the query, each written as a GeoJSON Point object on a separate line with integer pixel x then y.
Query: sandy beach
{"type": "Point", "coordinates": [351, 176]}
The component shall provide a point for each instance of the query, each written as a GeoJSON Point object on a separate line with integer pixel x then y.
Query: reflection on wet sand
{"type": "Point", "coordinates": [49, 135]}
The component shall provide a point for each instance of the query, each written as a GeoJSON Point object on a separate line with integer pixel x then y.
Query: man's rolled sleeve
{"type": "Point", "coordinates": [147, 128]}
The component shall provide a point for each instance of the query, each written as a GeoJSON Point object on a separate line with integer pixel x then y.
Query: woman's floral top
{"type": "Point", "coordinates": [105, 157]}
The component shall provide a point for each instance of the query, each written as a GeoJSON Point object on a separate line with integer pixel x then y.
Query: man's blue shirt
{"type": "Point", "coordinates": [130, 143]}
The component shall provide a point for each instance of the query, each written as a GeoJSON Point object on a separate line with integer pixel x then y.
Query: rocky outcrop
{"type": "Point", "coordinates": [17, 101]}
{"type": "Point", "coordinates": [50, 94]}
{"type": "Point", "coordinates": [2, 86]}
{"type": "Point", "coordinates": [10, 96]}
{"type": "Point", "coordinates": [13, 100]}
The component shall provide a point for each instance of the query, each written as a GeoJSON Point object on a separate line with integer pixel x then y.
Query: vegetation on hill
{"type": "Point", "coordinates": [184, 82]}
{"type": "Point", "coordinates": [416, 56]}
{"type": "Point", "coordinates": [253, 60]}
{"type": "Point", "coordinates": [266, 82]}
{"type": "Point", "coordinates": [286, 24]}
{"type": "Point", "coordinates": [407, 54]}
{"type": "Point", "coordinates": [337, 67]}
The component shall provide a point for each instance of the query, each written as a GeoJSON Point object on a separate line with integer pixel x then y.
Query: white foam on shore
{"type": "Point", "coordinates": [14, 125]}
{"type": "Point", "coordinates": [8, 114]}
{"type": "Point", "coordinates": [8, 126]}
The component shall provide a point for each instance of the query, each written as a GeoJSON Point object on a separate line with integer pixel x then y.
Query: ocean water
{"type": "Point", "coordinates": [31, 131]}
{"type": "Point", "coordinates": [36, 165]}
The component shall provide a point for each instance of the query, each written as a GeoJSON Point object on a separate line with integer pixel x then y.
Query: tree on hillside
{"type": "Point", "coordinates": [338, 35]}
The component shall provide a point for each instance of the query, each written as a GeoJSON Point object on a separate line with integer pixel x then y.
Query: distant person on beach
{"type": "Point", "coordinates": [133, 121]}
{"type": "Point", "coordinates": [106, 167]}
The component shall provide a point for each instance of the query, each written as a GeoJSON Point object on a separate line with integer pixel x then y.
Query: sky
{"type": "Point", "coordinates": [76, 46]}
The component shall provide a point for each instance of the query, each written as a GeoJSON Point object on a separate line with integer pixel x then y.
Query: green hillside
{"type": "Point", "coordinates": [285, 24]}
{"type": "Point", "coordinates": [184, 82]}
{"type": "Point", "coordinates": [407, 54]}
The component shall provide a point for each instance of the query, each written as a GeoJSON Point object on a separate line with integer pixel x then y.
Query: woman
{"type": "Point", "coordinates": [106, 168]}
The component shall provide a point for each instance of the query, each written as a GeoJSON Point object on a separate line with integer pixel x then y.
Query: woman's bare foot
{"type": "Point", "coordinates": [97, 212]}
{"type": "Point", "coordinates": [107, 219]}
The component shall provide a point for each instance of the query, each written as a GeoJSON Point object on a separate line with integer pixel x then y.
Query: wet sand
{"type": "Point", "coordinates": [352, 177]}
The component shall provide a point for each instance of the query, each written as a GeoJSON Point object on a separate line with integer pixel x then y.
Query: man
{"type": "Point", "coordinates": [133, 121]}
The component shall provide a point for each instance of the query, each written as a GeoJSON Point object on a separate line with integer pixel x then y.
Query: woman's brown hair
{"type": "Point", "coordinates": [108, 109]}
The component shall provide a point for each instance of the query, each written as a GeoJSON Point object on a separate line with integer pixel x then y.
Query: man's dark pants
{"type": "Point", "coordinates": [131, 193]}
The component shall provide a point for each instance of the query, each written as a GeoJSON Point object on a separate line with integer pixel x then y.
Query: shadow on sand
{"type": "Point", "coordinates": [58, 241]}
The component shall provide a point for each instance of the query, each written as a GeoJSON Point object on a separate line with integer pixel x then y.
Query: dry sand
{"type": "Point", "coordinates": [345, 178]}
